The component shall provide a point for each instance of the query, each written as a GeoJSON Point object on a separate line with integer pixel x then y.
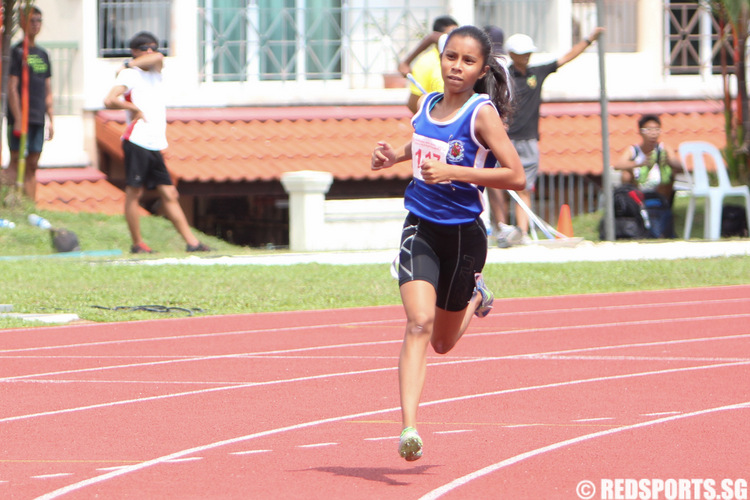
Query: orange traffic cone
{"type": "Point", "coordinates": [564, 222]}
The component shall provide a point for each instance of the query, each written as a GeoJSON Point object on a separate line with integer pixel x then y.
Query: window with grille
{"type": "Point", "coordinates": [271, 40]}
{"type": "Point", "coordinates": [694, 41]}
{"type": "Point", "coordinates": [119, 20]}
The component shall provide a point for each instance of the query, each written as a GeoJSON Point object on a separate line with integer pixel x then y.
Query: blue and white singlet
{"type": "Point", "coordinates": [455, 143]}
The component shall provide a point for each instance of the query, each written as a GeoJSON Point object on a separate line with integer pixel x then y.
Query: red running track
{"type": "Point", "coordinates": [538, 398]}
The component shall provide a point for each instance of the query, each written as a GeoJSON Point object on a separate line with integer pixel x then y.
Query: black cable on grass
{"type": "Point", "coordinates": [151, 308]}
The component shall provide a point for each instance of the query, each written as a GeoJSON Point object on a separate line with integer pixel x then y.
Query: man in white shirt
{"type": "Point", "coordinates": [138, 90]}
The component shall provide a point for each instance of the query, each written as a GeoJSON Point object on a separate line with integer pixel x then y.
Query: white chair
{"type": "Point", "coordinates": [714, 195]}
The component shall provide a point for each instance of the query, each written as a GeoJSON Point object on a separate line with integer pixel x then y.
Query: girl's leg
{"type": "Point", "coordinates": [418, 298]}
{"type": "Point", "coordinates": [451, 325]}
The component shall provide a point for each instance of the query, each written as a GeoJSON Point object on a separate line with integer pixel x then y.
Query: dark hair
{"type": "Point", "coordinates": [442, 22]}
{"type": "Point", "coordinates": [30, 11]}
{"type": "Point", "coordinates": [142, 38]}
{"type": "Point", "coordinates": [495, 82]}
{"type": "Point", "coordinates": [648, 118]}
{"type": "Point", "coordinates": [497, 37]}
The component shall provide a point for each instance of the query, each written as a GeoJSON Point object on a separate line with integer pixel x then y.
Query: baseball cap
{"type": "Point", "coordinates": [520, 44]}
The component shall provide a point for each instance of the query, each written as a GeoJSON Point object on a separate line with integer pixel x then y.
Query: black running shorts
{"type": "Point", "coordinates": [445, 256]}
{"type": "Point", "coordinates": [144, 167]}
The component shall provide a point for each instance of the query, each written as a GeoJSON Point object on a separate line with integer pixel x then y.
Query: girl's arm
{"type": "Point", "coordinates": [491, 132]}
{"type": "Point", "coordinates": [385, 156]}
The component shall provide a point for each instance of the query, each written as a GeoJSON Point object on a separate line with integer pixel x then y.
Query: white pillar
{"type": "Point", "coordinates": [462, 11]}
{"type": "Point", "coordinates": [307, 190]}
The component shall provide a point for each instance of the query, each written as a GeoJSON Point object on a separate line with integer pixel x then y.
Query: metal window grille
{"type": "Point", "coordinates": [119, 20]}
{"type": "Point", "coordinates": [694, 40]}
{"type": "Point", "coordinates": [291, 41]}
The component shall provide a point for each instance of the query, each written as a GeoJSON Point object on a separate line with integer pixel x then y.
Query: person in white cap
{"type": "Point", "coordinates": [526, 83]}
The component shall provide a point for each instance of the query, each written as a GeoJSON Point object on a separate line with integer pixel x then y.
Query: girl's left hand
{"type": "Point", "coordinates": [435, 172]}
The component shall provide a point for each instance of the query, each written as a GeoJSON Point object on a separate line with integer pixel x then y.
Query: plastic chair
{"type": "Point", "coordinates": [714, 195]}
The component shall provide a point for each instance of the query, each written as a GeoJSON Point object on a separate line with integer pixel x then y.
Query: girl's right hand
{"type": "Point", "coordinates": [383, 157]}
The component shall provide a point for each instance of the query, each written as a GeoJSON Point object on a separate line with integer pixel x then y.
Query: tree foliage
{"type": "Point", "coordinates": [734, 19]}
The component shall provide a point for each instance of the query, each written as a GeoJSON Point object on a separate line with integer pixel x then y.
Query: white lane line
{"type": "Point", "coordinates": [536, 313]}
{"type": "Point", "coordinates": [372, 343]}
{"type": "Point", "coordinates": [204, 335]}
{"type": "Point", "coordinates": [458, 431]}
{"type": "Point", "coordinates": [447, 488]}
{"type": "Point", "coordinates": [397, 341]}
{"type": "Point", "coordinates": [317, 445]}
{"type": "Point", "coordinates": [250, 452]}
{"type": "Point", "coordinates": [660, 413]}
{"type": "Point", "coordinates": [597, 419]}
{"type": "Point", "coordinates": [52, 476]}
{"type": "Point", "coordinates": [198, 449]}
{"type": "Point", "coordinates": [384, 438]}
{"type": "Point", "coordinates": [188, 459]}
{"type": "Point", "coordinates": [362, 372]}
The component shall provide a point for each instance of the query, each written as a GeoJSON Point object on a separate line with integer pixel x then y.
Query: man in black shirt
{"type": "Point", "coordinates": [526, 84]}
{"type": "Point", "coordinates": [40, 104]}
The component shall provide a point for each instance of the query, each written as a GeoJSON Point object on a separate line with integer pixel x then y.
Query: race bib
{"type": "Point", "coordinates": [426, 148]}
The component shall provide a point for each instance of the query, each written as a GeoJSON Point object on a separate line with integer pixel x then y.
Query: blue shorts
{"type": "Point", "coordinates": [445, 256]}
{"type": "Point", "coordinates": [34, 139]}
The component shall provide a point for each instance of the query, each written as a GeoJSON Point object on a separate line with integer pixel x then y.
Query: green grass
{"type": "Point", "coordinates": [86, 285]}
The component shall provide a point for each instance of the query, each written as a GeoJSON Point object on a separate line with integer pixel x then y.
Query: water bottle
{"type": "Point", "coordinates": [41, 222]}
{"type": "Point", "coordinates": [7, 223]}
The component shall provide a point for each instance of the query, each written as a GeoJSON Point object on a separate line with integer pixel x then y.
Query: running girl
{"type": "Point", "coordinates": [458, 135]}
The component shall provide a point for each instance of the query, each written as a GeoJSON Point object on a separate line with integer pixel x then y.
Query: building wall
{"type": "Point", "coordinates": [629, 76]}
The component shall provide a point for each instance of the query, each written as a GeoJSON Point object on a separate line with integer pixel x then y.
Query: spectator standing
{"type": "Point", "coordinates": [497, 197]}
{"type": "Point", "coordinates": [526, 85]}
{"type": "Point", "coordinates": [138, 90]}
{"type": "Point", "coordinates": [426, 70]}
{"type": "Point", "coordinates": [41, 104]}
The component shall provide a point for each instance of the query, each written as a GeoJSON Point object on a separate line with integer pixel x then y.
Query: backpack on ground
{"type": "Point", "coordinates": [660, 215]}
{"type": "Point", "coordinates": [733, 221]}
{"type": "Point", "coordinates": [631, 217]}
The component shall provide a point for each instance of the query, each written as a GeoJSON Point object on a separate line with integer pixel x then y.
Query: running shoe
{"type": "Point", "coordinates": [410, 444]}
{"type": "Point", "coordinates": [508, 236]}
{"type": "Point", "coordinates": [487, 296]}
{"type": "Point", "coordinates": [200, 247]}
{"type": "Point", "coordinates": [141, 248]}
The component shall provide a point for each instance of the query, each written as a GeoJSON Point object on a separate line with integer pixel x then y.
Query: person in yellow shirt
{"type": "Point", "coordinates": [426, 69]}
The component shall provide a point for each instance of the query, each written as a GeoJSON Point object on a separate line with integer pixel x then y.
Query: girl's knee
{"type": "Point", "coordinates": [420, 325]}
{"type": "Point", "coordinates": [441, 346]}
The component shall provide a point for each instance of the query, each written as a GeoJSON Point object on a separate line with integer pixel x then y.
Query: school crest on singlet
{"type": "Point", "coordinates": [455, 151]}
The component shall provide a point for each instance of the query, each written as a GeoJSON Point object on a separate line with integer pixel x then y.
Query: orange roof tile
{"type": "Point", "coordinates": [260, 144]}
{"type": "Point", "coordinates": [91, 196]}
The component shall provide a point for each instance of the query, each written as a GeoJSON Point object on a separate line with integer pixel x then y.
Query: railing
{"type": "Point", "coordinates": [119, 20]}
{"type": "Point", "coordinates": [579, 192]}
{"type": "Point", "coordinates": [62, 56]}
{"type": "Point", "coordinates": [297, 44]}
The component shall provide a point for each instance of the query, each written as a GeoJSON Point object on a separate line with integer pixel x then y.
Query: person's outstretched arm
{"type": "Point", "coordinates": [578, 48]}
